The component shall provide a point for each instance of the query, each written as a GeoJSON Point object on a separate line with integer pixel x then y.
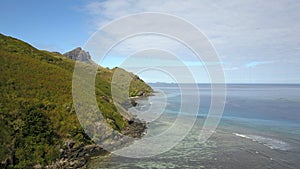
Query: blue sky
{"type": "Point", "coordinates": [51, 25]}
{"type": "Point", "coordinates": [257, 41]}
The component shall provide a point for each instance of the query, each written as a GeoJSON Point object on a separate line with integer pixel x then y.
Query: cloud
{"type": "Point", "coordinates": [230, 25]}
{"type": "Point", "coordinates": [257, 63]}
{"type": "Point", "coordinates": [231, 68]}
{"type": "Point", "coordinates": [246, 33]}
{"type": "Point", "coordinates": [94, 8]}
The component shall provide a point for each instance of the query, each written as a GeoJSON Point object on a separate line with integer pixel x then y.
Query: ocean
{"type": "Point", "coordinates": [259, 128]}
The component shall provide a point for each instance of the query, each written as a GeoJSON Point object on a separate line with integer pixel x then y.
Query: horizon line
{"type": "Point", "coordinates": [271, 83]}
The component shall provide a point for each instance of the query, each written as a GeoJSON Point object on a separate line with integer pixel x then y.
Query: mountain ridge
{"type": "Point", "coordinates": [78, 54]}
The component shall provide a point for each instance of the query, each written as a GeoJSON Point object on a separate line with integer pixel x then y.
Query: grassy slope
{"type": "Point", "coordinates": [36, 111]}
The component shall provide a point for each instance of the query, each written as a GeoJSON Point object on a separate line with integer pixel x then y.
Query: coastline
{"type": "Point", "coordinates": [79, 156]}
{"type": "Point", "coordinates": [224, 149]}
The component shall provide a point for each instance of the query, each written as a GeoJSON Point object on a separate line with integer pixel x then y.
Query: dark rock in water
{"type": "Point", "coordinates": [133, 102]}
{"type": "Point", "coordinates": [129, 103]}
{"type": "Point", "coordinates": [78, 54]}
{"type": "Point", "coordinates": [136, 128]}
{"type": "Point", "coordinates": [131, 121]}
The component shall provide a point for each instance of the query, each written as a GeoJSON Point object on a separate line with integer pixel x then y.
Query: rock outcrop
{"type": "Point", "coordinates": [136, 129]}
{"type": "Point", "coordinates": [76, 156]}
{"type": "Point", "coordinates": [78, 54]}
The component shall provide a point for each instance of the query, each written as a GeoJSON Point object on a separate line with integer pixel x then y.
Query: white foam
{"type": "Point", "coordinates": [240, 135]}
{"type": "Point", "coordinates": [266, 141]}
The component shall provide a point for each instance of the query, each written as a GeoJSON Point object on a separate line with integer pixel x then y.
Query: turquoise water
{"type": "Point", "coordinates": [260, 128]}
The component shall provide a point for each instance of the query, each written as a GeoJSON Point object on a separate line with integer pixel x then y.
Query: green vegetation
{"type": "Point", "coordinates": [36, 109]}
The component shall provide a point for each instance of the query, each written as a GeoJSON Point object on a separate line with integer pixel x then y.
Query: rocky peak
{"type": "Point", "coordinates": [78, 54]}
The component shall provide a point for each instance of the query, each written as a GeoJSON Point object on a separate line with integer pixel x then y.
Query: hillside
{"type": "Point", "coordinates": [37, 116]}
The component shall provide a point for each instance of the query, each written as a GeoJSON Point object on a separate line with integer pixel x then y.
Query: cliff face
{"type": "Point", "coordinates": [38, 123]}
{"type": "Point", "coordinates": [78, 54]}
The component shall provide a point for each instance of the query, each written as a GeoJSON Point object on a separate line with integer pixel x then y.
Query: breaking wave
{"type": "Point", "coordinates": [269, 142]}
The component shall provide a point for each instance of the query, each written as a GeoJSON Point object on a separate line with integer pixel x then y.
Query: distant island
{"type": "Point", "coordinates": [39, 126]}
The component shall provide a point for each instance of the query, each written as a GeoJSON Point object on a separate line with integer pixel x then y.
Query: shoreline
{"type": "Point", "coordinates": [224, 149]}
{"type": "Point", "coordinates": [80, 156]}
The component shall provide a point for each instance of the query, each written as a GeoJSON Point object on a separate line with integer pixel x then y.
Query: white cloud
{"type": "Point", "coordinates": [241, 31]}
{"type": "Point", "coordinates": [253, 64]}
{"type": "Point", "coordinates": [231, 23]}
{"type": "Point", "coordinates": [231, 68]}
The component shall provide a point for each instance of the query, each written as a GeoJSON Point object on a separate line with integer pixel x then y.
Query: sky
{"type": "Point", "coordinates": [256, 41]}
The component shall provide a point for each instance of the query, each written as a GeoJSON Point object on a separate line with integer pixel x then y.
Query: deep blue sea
{"type": "Point", "coordinates": [259, 128]}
